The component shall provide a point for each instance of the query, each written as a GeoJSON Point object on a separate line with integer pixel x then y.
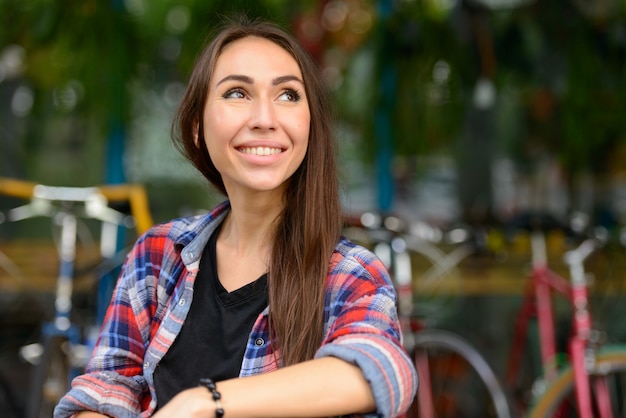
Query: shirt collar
{"type": "Point", "coordinates": [198, 233]}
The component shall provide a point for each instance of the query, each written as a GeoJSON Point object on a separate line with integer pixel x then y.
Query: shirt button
{"type": "Point", "coordinates": [181, 302]}
{"type": "Point", "coordinates": [189, 255]}
{"type": "Point", "coordinates": [259, 342]}
{"type": "Point", "coordinates": [146, 365]}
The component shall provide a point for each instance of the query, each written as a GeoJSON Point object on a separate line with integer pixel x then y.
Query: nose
{"type": "Point", "coordinates": [262, 114]}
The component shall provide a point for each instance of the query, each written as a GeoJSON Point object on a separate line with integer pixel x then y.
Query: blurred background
{"type": "Point", "coordinates": [448, 112]}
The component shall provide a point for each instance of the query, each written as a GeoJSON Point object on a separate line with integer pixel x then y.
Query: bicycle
{"type": "Point", "coordinates": [63, 349]}
{"type": "Point", "coordinates": [462, 383]}
{"type": "Point", "coordinates": [592, 382]}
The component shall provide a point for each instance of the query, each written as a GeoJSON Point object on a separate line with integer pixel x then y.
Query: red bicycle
{"type": "Point", "coordinates": [589, 380]}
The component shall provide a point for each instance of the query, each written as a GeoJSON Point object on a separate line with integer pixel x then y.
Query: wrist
{"type": "Point", "coordinates": [217, 396]}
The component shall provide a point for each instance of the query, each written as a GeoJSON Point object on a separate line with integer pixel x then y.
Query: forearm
{"type": "Point", "coordinates": [321, 387]}
{"type": "Point", "coordinates": [88, 414]}
{"type": "Point", "coordinates": [317, 388]}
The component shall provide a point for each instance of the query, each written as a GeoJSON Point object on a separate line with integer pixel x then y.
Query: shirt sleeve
{"type": "Point", "coordinates": [363, 329]}
{"type": "Point", "coordinates": [113, 383]}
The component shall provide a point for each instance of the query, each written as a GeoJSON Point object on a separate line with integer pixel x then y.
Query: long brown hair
{"type": "Point", "coordinates": [310, 224]}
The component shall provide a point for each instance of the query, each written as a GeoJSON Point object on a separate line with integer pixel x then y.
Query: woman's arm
{"type": "Point", "coordinates": [361, 367]}
{"type": "Point", "coordinates": [317, 388]}
{"type": "Point", "coordinates": [364, 328]}
{"type": "Point", "coordinates": [116, 367]}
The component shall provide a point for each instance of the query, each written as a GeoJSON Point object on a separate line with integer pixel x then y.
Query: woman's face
{"type": "Point", "coordinates": [256, 117]}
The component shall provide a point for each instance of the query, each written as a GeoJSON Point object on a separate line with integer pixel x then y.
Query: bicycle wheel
{"type": "Point", "coordinates": [610, 367]}
{"type": "Point", "coordinates": [455, 379]}
{"type": "Point", "coordinates": [50, 379]}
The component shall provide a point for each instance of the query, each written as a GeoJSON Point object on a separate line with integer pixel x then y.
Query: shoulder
{"type": "Point", "coordinates": [351, 257]}
{"type": "Point", "coordinates": [353, 265]}
{"type": "Point", "coordinates": [155, 265]}
{"type": "Point", "coordinates": [181, 231]}
{"type": "Point", "coordinates": [158, 252]}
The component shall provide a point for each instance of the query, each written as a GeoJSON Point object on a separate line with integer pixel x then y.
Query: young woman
{"type": "Point", "coordinates": [259, 308]}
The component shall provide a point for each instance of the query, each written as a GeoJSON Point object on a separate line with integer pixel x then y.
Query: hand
{"type": "Point", "coordinates": [190, 403]}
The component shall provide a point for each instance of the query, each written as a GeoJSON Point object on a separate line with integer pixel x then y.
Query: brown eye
{"type": "Point", "coordinates": [234, 94]}
{"type": "Point", "coordinates": [290, 95]}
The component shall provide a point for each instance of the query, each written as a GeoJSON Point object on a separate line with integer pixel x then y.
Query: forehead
{"type": "Point", "coordinates": [254, 54]}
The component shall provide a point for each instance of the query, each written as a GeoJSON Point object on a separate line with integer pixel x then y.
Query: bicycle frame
{"type": "Point", "coordinates": [44, 201]}
{"type": "Point", "coordinates": [97, 197]}
{"type": "Point", "coordinates": [63, 350]}
{"type": "Point", "coordinates": [543, 284]}
{"type": "Point", "coordinates": [95, 207]}
{"type": "Point", "coordinates": [393, 243]}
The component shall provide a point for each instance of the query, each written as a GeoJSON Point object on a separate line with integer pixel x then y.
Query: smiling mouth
{"type": "Point", "coordinates": [260, 150]}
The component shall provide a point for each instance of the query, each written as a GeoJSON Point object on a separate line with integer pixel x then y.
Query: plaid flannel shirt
{"type": "Point", "coordinates": [153, 296]}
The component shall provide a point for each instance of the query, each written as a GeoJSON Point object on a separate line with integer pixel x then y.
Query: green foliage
{"type": "Point", "coordinates": [595, 98]}
{"type": "Point", "coordinates": [425, 113]}
{"type": "Point", "coordinates": [565, 69]}
{"type": "Point", "coordinates": [101, 44]}
{"type": "Point", "coordinates": [99, 48]}
{"type": "Point", "coordinates": [84, 58]}
{"type": "Point", "coordinates": [92, 43]}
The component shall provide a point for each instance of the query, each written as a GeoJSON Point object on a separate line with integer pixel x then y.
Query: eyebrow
{"type": "Point", "coordinates": [236, 77]}
{"type": "Point", "coordinates": [286, 78]}
{"type": "Point", "coordinates": [249, 80]}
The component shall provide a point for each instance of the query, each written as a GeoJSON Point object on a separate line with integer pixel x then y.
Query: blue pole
{"type": "Point", "coordinates": [114, 174]}
{"type": "Point", "coordinates": [384, 141]}
{"type": "Point", "coordinates": [116, 144]}
{"type": "Point", "coordinates": [116, 140]}
{"type": "Point", "coordinates": [382, 118]}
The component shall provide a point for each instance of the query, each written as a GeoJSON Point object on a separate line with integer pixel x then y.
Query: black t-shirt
{"type": "Point", "coordinates": [214, 335]}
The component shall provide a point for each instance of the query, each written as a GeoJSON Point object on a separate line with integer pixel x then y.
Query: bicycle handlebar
{"type": "Point", "coordinates": [421, 230]}
{"type": "Point", "coordinates": [132, 193]}
{"type": "Point", "coordinates": [580, 253]}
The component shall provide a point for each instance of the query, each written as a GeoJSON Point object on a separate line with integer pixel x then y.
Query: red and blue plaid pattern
{"type": "Point", "coordinates": [153, 296]}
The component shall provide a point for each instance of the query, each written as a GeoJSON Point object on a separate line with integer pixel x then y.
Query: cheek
{"type": "Point", "coordinates": [220, 121]}
{"type": "Point", "coordinates": [213, 126]}
{"type": "Point", "coordinates": [303, 127]}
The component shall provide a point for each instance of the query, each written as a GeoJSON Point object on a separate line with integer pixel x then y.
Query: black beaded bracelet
{"type": "Point", "coordinates": [217, 397]}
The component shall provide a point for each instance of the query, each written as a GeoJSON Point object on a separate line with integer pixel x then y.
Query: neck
{"type": "Point", "coordinates": [249, 226]}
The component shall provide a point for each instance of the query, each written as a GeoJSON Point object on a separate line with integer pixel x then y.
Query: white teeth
{"type": "Point", "coordinates": [260, 150]}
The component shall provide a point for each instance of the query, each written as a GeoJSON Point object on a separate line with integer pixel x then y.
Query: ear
{"type": "Point", "coordinates": [195, 135]}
